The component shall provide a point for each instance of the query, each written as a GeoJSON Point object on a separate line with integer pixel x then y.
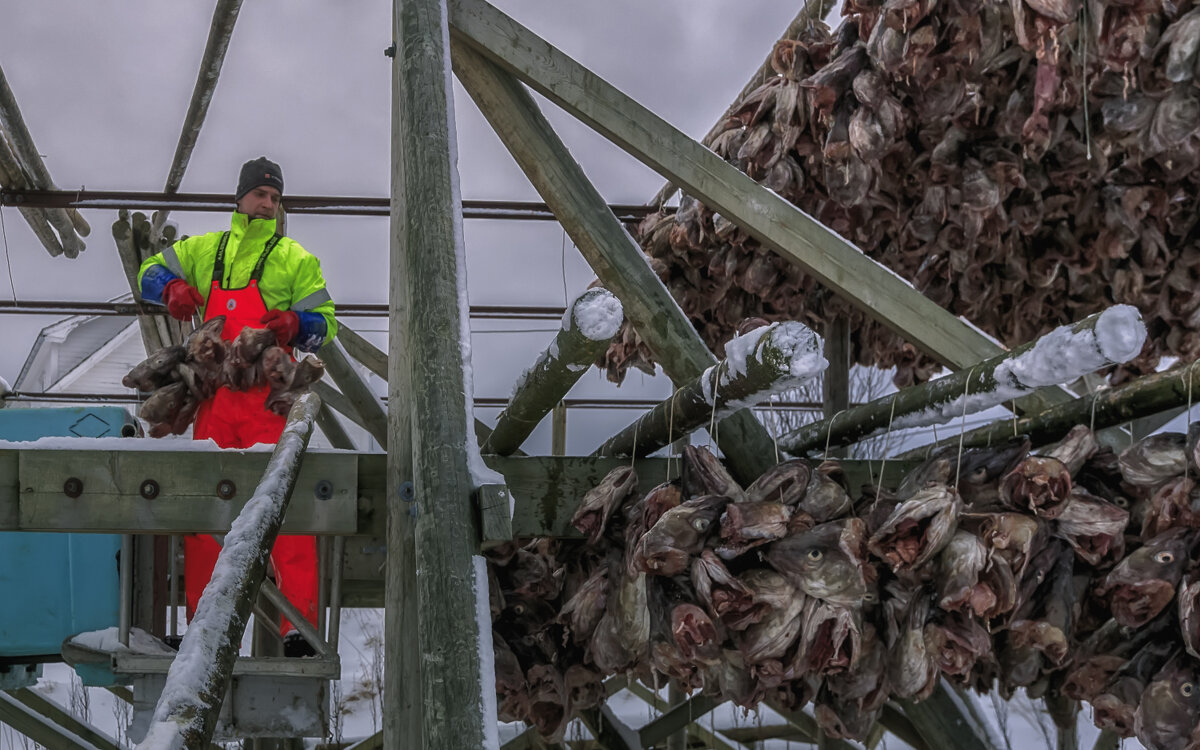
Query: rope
{"type": "Point", "coordinates": [962, 428]}
{"type": "Point", "coordinates": [712, 419]}
{"type": "Point", "coordinates": [886, 437]}
{"type": "Point", "coordinates": [829, 432]}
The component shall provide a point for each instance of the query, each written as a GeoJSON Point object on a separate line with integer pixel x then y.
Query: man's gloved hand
{"type": "Point", "coordinates": [181, 299]}
{"type": "Point", "coordinates": [285, 324]}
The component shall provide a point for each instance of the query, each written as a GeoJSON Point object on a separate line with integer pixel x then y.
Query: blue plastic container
{"type": "Point", "coordinates": [56, 585]}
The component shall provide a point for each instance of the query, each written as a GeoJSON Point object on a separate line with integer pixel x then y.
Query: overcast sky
{"type": "Point", "coordinates": [104, 87]}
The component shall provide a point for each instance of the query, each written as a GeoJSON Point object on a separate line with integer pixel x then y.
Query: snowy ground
{"type": "Point", "coordinates": [357, 702]}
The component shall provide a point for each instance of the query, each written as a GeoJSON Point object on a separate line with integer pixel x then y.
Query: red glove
{"type": "Point", "coordinates": [181, 299]}
{"type": "Point", "coordinates": [285, 324]}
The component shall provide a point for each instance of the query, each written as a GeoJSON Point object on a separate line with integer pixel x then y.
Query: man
{"type": "Point", "coordinates": [256, 278]}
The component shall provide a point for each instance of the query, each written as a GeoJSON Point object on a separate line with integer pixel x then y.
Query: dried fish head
{"type": "Point", "coordinates": [704, 474]}
{"type": "Point", "coordinates": [726, 596]}
{"type": "Point", "coordinates": [912, 670]}
{"type": "Point", "coordinates": [1040, 484]}
{"type": "Point", "coordinates": [751, 524]}
{"type": "Point", "coordinates": [599, 502]}
{"type": "Point", "coordinates": [1116, 705]}
{"type": "Point", "coordinates": [698, 639]}
{"type": "Point", "coordinates": [957, 641]}
{"type": "Point", "coordinates": [830, 639]}
{"type": "Point", "coordinates": [582, 612]}
{"type": "Point", "coordinates": [1154, 459]}
{"type": "Point", "coordinates": [205, 345]}
{"type": "Point", "coordinates": [980, 469]}
{"type": "Point", "coordinates": [1093, 527]}
{"type": "Point", "coordinates": [278, 368]}
{"type": "Point", "coordinates": [668, 547]}
{"type": "Point", "coordinates": [585, 687]}
{"type": "Point", "coordinates": [1143, 584]}
{"type": "Point", "coordinates": [1189, 611]}
{"type": "Point", "coordinates": [918, 528]}
{"type": "Point", "coordinates": [771, 637]}
{"type": "Point", "coordinates": [1166, 715]}
{"type": "Point", "coordinates": [547, 700]}
{"type": "Point", "coordinates": [164, 404]}
{"type": "Point", "coordinates": [308, 371]}
{"type": "Point", "coordinates": [1014, 536]}
{"type": "Point", "coordinates": [784, 483]}
{"type": "Point", "coordinates": [827, 561]}
{"type": "Point", "coordinates": [826, 498]}
{"type": "Point", "coordinates": [1170, 506]}
{"type": "Point", "coordinates": [512, 692]}
{"type": "Point", "coordinates": [155, 371]}
{"type": "Point", "coordinates": [1076, 448]}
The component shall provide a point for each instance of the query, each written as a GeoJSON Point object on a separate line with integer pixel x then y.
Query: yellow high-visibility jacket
{"type": "Point", "coordinates": [291, 278]}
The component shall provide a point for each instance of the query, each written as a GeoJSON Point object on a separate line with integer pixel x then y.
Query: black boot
{"type": "Point", "coordinates": [295, 646]}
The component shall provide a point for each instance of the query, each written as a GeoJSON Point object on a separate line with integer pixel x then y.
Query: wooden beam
{"type": "Point", "coordinates": [610, 732]}
{"type": "Point", "coordinates": [186, 713]}
{"type": "Point", "coordinates": [364, 351]}
{"type": "Point", "coordinates": [377, 362]}
{"type": "Point", "coordinates": [151, 491]}
{"type": "Point", "coordinates": [363, 399]}
{"type": "Point", "coordinates": [709, 738]}
{"type": "Point", "coordinates": [677, 717]}
{"type": "Point", "coordinates": [36, 727]}
{"type": "Point", "coordinates": [558, 368]}
{"type": "Point", "coordinates": [219, 32]}
{"type": "Point", "coordinates": [332, 429]}
{"type": "Point", "coordinates": [612, 253]}
{"type": "Point", "coordinates": [1078, 348]}
{"type": "Point", "coordinates": [1147, 395]}
{"type": "Point", "coordinates": [50, 710]}
{"type": "Point", "coordinates": [445, 696]}
{"type": "Point", "coordinates": [947, 719]}
{"type": "Point", "coordinates": [785, 355]}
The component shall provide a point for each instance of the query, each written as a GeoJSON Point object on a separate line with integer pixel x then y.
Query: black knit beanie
{"type": "Point", "coordinates": [260, 171]}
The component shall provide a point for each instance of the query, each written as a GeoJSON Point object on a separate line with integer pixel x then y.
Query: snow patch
{"type": "Point", "coordinates": [1063, 355]}
{"type": "Point", "coordinates": [598, 314]}
{"type": "Point", "coordinates": [140, 642]}
{"type": "Point", "coordinates": [487, 656]}
{"type": "Point", "coordinates": [798, 344]}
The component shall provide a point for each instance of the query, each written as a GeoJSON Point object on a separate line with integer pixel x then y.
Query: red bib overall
{"type": "Point", "coordinates": [239, 419]}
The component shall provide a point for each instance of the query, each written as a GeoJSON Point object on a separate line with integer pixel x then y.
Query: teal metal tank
{"type": "Point", "coordinates": [55, 585]}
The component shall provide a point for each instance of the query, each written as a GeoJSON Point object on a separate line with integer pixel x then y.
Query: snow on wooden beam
{"type": "Point", "coordinates": [608, 247]}
{"type": "Point", "coordinates": [1065, 354]}
{"type": "Point", "coordinates": [589, 325]}
{"type": "Point", "coordinates": [198, 680]}
{"type": "Point", "coordinates": [765, 361]}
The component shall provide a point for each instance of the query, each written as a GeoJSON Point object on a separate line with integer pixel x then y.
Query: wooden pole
{"type": "Point", "coordinates": [12, 176]}
{"type": "Point", "coordinates": [32, 170]}
{"type": "Point", "coordinates": [199, 678]}
{"type": "Point", "coordinates": [1144, 396]}
{"type": "Point", "coordinates": [836, 391]}
{"type": "Point", "coordinates": [612, 253]}
{"type": "Point", "coordinates": [360, 395]}
{"type": "Point", "coordinates": [447, 703]}
{"type": "Point", "coordinates": [782, 356]}
{"type": "Point", "coordinates": [556, 370]}
{"type": "Point", "coordinates": [1052, 357]}
{"type": "Point", "coordinates": [219, 33]}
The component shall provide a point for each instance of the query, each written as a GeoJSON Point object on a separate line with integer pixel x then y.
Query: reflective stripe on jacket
{"type": "Point", "coordinates": [291, 279]}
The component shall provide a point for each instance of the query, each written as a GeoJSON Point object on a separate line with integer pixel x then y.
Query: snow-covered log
{"type": "Point", "coordinates": [588, 325]}
{"type": "Point", "coordinates": [1109, 337]}
{"type": "Point", "coordinates": [767, 360]}
{"type": "Point", "coordinates": [199, 677]}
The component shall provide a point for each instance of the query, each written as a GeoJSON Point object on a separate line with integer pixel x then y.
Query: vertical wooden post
{"type": "Point", "coordinates": [837, 374]}
{"type": "Point", "coordinates": [434, 691]}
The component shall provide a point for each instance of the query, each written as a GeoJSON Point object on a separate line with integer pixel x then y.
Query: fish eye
{"type": "Point", "coordinates": [1187, 690]}
{"type": "Point", "coordinates": [700, 524]}
{"type": "Point", "coordinates": [518, 609]}
{"type": "Point", "coordinates": [815, 555]}
{"type": "Point", "coordinates": [870, 596]}
{"type": "Point", "coordinates": [1121, 502]}
{"type": "Point", "coordinates": [1164, 557]}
